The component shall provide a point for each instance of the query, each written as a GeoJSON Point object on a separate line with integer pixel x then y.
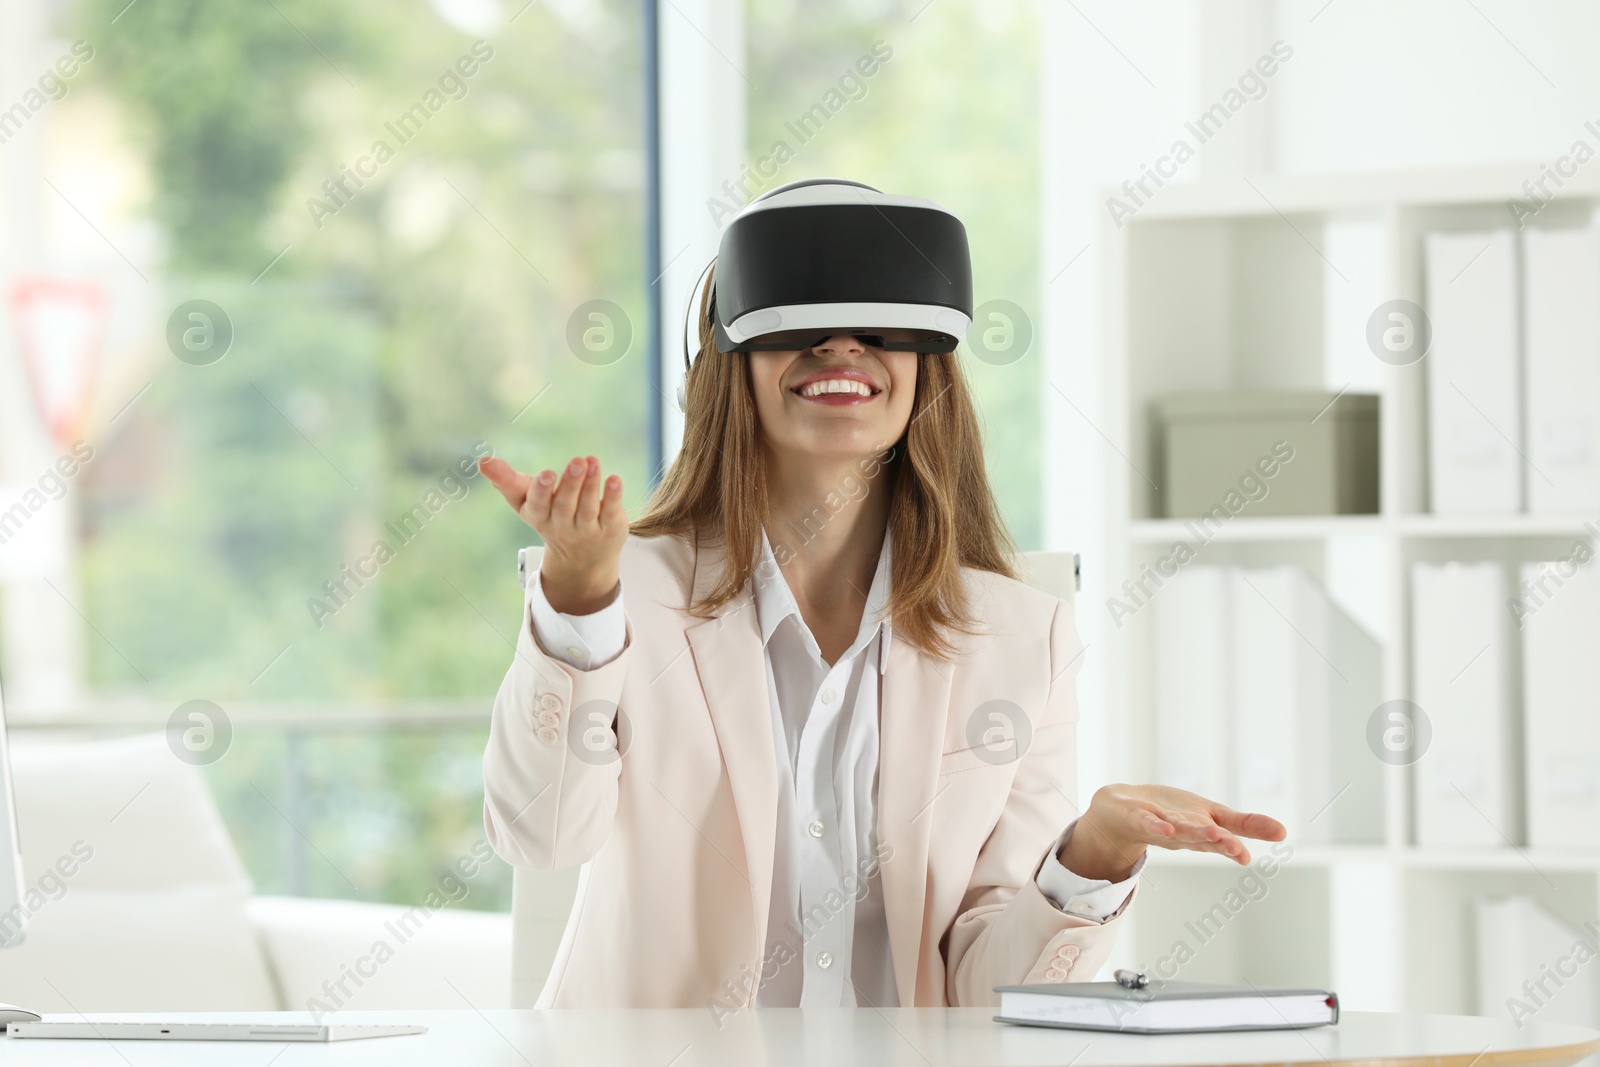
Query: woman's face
{"type": "Point", "coordinates": [833, 423]}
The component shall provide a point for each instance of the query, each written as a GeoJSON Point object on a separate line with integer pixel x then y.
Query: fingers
{"type": "Point", "coordinates": [564, 506]}
{"type": "Point", "coordinates": [1231, 847]}
{"type": "Point", "coordinates": [594, 499]}
{"type": "Point", "coordinates": [541, 493]}
{"type": "Point", "coordinates": [1190, 828]}
{"type": "Point", "coordinates": [1198, 833]}
{"type": "Point", "coordinates": [588, 507]}
{"type": "Point", "coordinates": [1152, 822]}
{"type": "Point", "coordinates": [1178, 819]}
{"type": "Point", "coordinates": [612, 514]}
{"type": "Point", "coordinates": [512, 483]}
{"type": "Point", "coordinates": [1250, 824]}
{"type": "Point", "coordinates": [576, 498]}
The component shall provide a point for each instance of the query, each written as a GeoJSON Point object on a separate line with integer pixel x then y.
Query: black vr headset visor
{"type": "Point", "coordinates": [825, 256]}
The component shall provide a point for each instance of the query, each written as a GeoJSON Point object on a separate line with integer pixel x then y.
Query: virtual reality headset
{"type": "Point", "coordinates": [825, 256]}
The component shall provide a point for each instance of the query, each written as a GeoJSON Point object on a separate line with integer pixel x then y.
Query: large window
{"type": "Point", "coordinates": [348, 248]}
{"type": "Point", "coordinates": [344, 250]}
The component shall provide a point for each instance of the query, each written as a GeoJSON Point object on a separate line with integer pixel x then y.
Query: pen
{"type": "Point", "coordinates": [1130, 979]}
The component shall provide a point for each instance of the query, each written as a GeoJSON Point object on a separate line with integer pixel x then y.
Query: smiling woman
{"type": "Point", "coordinates": [751, 364]}
{"type": "Point", "coordinates": [927, 391]}
{"type": "Point", "coordinates": [760, 822]}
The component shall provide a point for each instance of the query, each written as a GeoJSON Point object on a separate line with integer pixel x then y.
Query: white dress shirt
{"type": "Point", "coordinates": [827, 938]}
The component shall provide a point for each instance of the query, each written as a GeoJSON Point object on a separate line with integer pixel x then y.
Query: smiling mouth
{"type": "Point", "coordinates": [837, 391]}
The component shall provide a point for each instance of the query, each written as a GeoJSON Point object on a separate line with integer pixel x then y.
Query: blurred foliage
{"type": "Point", "coordinates": [387, 340]}
{"type": "Point", "coordinates": [381, 335]}
{"type": "Point", "coordinates": [218, 85]}
{"type": "Point", "coordinates": [240, 518]}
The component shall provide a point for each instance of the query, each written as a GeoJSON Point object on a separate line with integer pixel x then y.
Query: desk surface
{"type": "Point", "coordinates": [912, 1037]}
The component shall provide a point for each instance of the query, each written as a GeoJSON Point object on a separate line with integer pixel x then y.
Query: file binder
{"type": "Point", "coordinates": [1467, 786]}
{"type": "Point", "coordinates": [1561, 307]}
{"type": "Point", "coordinates": [1474, 398]}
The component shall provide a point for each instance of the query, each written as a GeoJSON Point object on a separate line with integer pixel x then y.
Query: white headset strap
{"type": "Point", "coordinates": [691, 342]}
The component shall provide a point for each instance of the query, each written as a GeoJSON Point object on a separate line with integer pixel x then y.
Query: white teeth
{"type": "Point", "coordinates": [837, 385]}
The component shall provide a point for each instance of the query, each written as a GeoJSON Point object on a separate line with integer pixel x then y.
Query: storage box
{"type": "Point", "coordinates": [1261, 453]}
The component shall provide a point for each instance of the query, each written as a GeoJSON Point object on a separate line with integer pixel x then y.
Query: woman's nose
{"type": "Point", "coordinates": [841, 344]}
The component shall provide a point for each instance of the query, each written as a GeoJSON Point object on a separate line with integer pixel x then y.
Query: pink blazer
{"type": "Point", "coordinates": [676, 833]}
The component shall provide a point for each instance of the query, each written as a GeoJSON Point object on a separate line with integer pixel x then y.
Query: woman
{"type": "Point", "coordinates": [794, 780]}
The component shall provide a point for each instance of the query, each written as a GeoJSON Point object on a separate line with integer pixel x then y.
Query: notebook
{"type": "Point", "coordinates": [1165, 1007]}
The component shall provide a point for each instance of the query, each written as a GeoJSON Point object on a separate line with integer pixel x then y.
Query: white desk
{"type": "Point", "coordinates": [895, 1037]}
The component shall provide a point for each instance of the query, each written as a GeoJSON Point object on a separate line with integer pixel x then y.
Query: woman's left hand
{"type": "Point", "coordinates": [1123, 819]}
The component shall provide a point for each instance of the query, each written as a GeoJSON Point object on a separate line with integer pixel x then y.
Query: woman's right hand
{"type": "Point", "coordinates": [583, 525]}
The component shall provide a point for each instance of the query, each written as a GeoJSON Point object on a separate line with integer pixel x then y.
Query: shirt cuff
{"type": "Point", "coordinates": [1094, 899]}
{"type": "Point", "coordinates": [580, 641]}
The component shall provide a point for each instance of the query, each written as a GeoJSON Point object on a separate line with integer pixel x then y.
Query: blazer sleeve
{"type": "Point", "coordinates": [551, 766]}
{"type": "Point", "coordinates": [1008, 932]}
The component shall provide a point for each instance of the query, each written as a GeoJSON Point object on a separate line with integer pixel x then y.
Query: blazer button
{"type": "Point", "coordinates": [549, 702]}
{"type": "Point", "coordinates": [549, 718]}
{"type": "Point", "coordinates": [548, 735]}
{"type": "Point", "coordinates": [1067, 952]}
{"type": "Point", "coordinates": [1055, 974]}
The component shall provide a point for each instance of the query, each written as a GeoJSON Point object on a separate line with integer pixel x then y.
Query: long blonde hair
{"type": "Point", "coordinates": [942, 513]}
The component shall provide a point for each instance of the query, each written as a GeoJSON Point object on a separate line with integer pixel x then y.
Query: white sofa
{"type": "Point", "coordinates": [138, 902]}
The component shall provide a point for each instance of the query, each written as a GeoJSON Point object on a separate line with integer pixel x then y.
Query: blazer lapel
{"type": "Point", "coordinates": [728, 658]}
{"type": "Point", "coordinates": [916, 701]}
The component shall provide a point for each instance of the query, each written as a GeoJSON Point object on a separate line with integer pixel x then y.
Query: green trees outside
{"type": "Point", "coordinates": [375, 346]}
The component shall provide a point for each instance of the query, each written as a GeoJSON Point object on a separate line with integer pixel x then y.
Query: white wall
{"type": "Point", "coordinates": [1430, 83]}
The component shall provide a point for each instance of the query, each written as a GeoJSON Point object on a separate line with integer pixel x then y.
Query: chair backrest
{"type": "Point", "coordinates": [540, 904]}
{"type": "Point", "coordinates": [542, 900]}
{"type": "Point", "coordinates": [1054, 572]}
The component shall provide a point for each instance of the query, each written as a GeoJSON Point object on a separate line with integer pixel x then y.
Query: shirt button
{"type": "Point", "coordinates": [824, 960]}
{"type": "Point", "coordinates": [816, 828]}
{"type": "Point", "coordinates": [574, 651]}
{"type": "Point", "coordinates": [827, 696]}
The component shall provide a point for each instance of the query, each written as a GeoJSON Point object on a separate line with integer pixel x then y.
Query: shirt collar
{"type": "Point", "coordinates": [775, 602]}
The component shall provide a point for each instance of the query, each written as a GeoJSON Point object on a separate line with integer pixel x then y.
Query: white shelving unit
{"type": "Point", "coordinates": [1266, 282]}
